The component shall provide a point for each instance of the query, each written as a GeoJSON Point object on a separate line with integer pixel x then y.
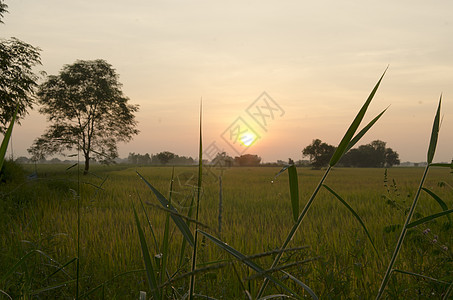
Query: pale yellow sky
{"type": "Point", "coordinates": [317, 60]}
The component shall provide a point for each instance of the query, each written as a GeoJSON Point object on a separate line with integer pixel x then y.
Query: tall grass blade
{"type": "Point", "coordinates": [448, 292]}
{"type": "Point", "coordinates": [200, 174]}
{"type": "Point", "coordinates": [49, 288]}
{"type": "Point", "coordinates": [438, 200]}
{"type": "Point", "coordinates": [248, 262]}
{"type": "Point", "coordinates": [442, 165]}
{"type": "Point", "coordinates": [147, 259]}
{"type": "Point", "coordinates": [354, 214]}
{"type": "Point", "coordinates": [6, 139]}
{"type": "Point", "coordinates": [294, 191]}
{"type": "Point", "coordinates": [177, 219]}
{"type": "Point", "coordinates": [156, 244]}
{"type": "Point", "coordinates": [303, 285]}
{"type": "Point", "coordinates": [353, 127]}
{"type": "Point", "coordinates": [421, 276]}
{"type": "Point", "coordinates": [61, 268]}
{"type": "Point", "coordinates": [363, 131]}
{"type": "Point", "coordinates": [434, 134]}
{"type": "Point", "coordinates": [429, 218]}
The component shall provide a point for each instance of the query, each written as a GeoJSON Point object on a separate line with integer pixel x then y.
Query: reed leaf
{"type": "Point", "coordinates": [434, 134]}
{"type": "Point", "coordinates": [354, 214]}
{"type": "Point", "coordinates": [294, 191]}
{"type": "Point", "coordinates": [438, 200]}
{"type": "Point", "coordinates": [147, 259]}
{"type": "Point", "coordinates": [421, 276]}
{"type": "Point", "coordinates": [342, 147]}
{"type": "Point", "coordinates": [303, 285]}
{"type": "Point", "coordinates": [177, 219]}
{"type": "Point", "coordinates": [429, 218]}
{"type": "Point", "coordinates": [248, 262]}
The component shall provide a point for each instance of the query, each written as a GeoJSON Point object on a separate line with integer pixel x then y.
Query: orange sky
{"type": "Point", "coordinates": [317, 60]}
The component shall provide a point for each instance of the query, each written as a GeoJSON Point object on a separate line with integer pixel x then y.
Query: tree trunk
{"type": "Point", "coordinates": [87, 165]}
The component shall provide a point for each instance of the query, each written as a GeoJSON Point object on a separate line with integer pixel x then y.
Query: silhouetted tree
{"type": "Point", "coordinates": [18, 82]}
{"type": "Point", "coordinates": [319, 153]}
{"type": "Point", "coordinates": [87, 111]}
{"type": "Point", "coordinates": [248, 160]}
{"type": "Point", "coordinates": [372, 155]}
{"type": "Point", "coordinates": [165, 157]}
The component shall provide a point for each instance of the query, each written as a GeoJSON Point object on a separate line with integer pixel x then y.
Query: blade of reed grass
{"type": "Point", "coordinates": [6, 294]}
{"type": "Point", "coordinates": [177, 219]}
{"type": "Point", "coordinates": [442, 165]}
{"type": "Point", "coordinates": [163, 270]}
{"type": "Point", "coordinates": [335, 158]}
{"type": "Point", "coordinates": [294, 191]}
{"type": "Point", "coordinates": [354, 214]}
{"type": "Point", "coordinates": [249, 263]}
{"type": "Point", "coordinates": [56, 286]}
{"type": "Point", "coordinates": [200, 174]}
{"type": "Point", "coordinates": [438, 200]}
{"type": "Point", "coordinates": [421, 276]}
{"type": "Point", "coordinates": [279, 296]}
{"type": "Point", "coordinates": [303, 285]}
{"type": "Point", "coordinates": [448, 292]}
{"type": "Point", "coordinates": [429, 218]}
{"type": "Point", "coordinates": [430, 156]}
{"type": "Point", "coordinates": [147, 259]}
{"type": "Point", "coordinates": [363, 131]}
{"type": "Point", "coordinates": [434, 134]}
{"type": "Point", "coordinates": [61, 268]}
{"type": "Point", "coordinates": [341, 149]}
{"type": "Point", "coordinates": [6, 138]}
{"type": "Point", "coordinates": [156, 244]}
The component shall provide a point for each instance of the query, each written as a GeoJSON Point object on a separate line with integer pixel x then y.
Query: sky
{"type": "Point", "coordinates": [286, 71]}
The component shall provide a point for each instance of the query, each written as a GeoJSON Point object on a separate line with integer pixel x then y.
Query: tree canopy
{"type": "Point", "coordinates": [17, 79]}
{"type": "Point", "coordinates": [87, 111]}
{"type": "Point", "coordinates": [372, 155]}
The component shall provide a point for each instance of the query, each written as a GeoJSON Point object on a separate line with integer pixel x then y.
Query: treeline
{"type": "Point", "coordinates": [372, 155]}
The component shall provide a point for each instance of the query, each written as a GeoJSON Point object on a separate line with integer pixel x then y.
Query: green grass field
{"type": "Point", "coordinates": [334, 256]}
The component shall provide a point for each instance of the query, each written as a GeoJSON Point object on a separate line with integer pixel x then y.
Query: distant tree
{"type": "Point", "coordinates": [23, 160]}
{"type": "Point", "coordinates": [87, 111]}
{"type": "Point", "coordinates": [247, 160]}
{"type": "Point", "coordinates": [319, 153]}
{"type": "Point", "coordinates": [223, 160]}
{"type": "Point", "coordinates": [165, 157]}
{"type": "Point", "coordinates": [17, 79]}
{"type": "Point", "coordinates": [372, 155]}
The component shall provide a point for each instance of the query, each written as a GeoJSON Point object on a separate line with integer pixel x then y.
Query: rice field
{"type": "Point", "coordinates": [330, 253]}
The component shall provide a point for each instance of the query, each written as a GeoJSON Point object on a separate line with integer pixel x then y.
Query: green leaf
{"type": "Point", "coordinates": [429, 218]}
{"type": "Point", "coordinates": [303, 285]}
{"type": "Point", "coordinates": [177, 219]}
{"type": "Point", "coordinates": [421, 276]}
{"type": "Point", "coordinates": [363, 131]}
{"type": "Point", "coordinates": [438, 200]}
{"type": "Point", "coordinates": [6, 139]}
{"type": "Point", "coordinates": [294, 191]}
{"type": "Point", "coordinates": [248, 262]}
{"type": "Point", "coordinates": [147, 259]}
{"type": "Point", "coordinates": [434, 134]}
{"type": "Point", "coordinates": [353, 127]}
{"type": "Point", "coordinates": [354, 214]}
{"type": "Point", "coordinates": [442, 165]}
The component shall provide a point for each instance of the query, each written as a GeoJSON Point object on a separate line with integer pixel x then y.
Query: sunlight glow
{"type": "Point", "coordinates": [248, 139]}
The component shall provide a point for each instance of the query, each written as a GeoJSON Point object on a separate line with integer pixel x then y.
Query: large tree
{"type": "Point", "coordinates": [87, 111]}
{"type": "Point", "coordinates": [319, 153]}
{"type": "Point", "coordinates": [372, 155]}
{"type": "Point", "coordinates": [17, 79]}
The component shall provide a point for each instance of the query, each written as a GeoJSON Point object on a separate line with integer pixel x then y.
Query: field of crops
{"type": "Point", "coordinates": [332, 253]}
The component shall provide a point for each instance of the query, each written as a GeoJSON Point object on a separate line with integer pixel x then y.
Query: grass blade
{"type": "Point", "coordinates": [354, 214]}
{"type": "Point", "coordinates": [177, 219]}
{"type": "Point", "coordinates": [294, 191]}
{"type": "Point", "coordinates": [438, 200]}
{"type": "Point", "coordinates": [429, 218]}
{"type": "Point", "coordinates": [434, 134]}
{"type": "Point", "coordinates": [303, 285]}
{"type": "Point", "coordinates": [421, 276]}
{"type": "Point", "coordinates": [363, 131]}
{"type": "Point", "coordinates": [6, 139]}
{"type": "Point", "coordinates": [147, 259]}
{"type": "Point", "coordinates": [248, 262]}
{"type": "Point", "coordinates": [56, 286]}
{"type": "Point", "coordinates": [200, 174]}
{"type": "Point", "coordinates": [353, 127]}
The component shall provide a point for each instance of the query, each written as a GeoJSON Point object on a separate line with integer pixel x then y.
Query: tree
{"type": "Point", "coordinates": [87, 111]}
{"type": "Point", "coordinates": [165, 157]}
{"type": "Point", "coordinates": [17, 80]}
{"type": "Point", "coordinates": [372, 155]}
{"type": "Point", "coordinates": [247, 160]}
{"type": "Point", "coordinates": [319, 153]}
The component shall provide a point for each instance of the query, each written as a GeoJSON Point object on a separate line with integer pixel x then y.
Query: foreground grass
{"type": "Point", "coordinates": [341, 262]}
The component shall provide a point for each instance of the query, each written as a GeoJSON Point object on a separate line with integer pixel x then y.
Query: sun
{"type": "Point", "coordinates": [248, 139]}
